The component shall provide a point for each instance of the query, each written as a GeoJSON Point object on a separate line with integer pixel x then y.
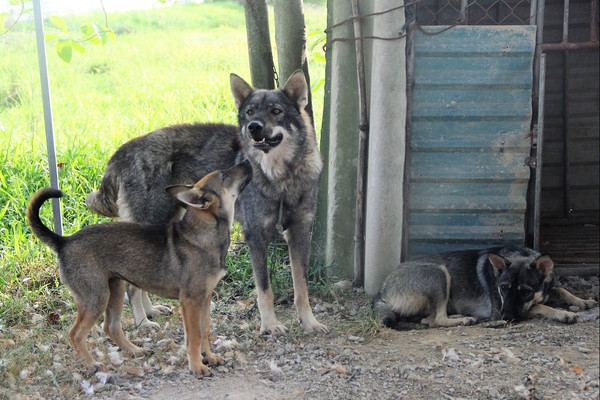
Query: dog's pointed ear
{"type": "Point", "coordinates": [191, 197]}
{"type": "Point", "coordinates": [240, 90]}
{"type": "Point", "coordinates": [498, 262]}
{"type": "Point", "coordinates": [297, 89]}
{"type": "Point", "coordinates": [544, 264]}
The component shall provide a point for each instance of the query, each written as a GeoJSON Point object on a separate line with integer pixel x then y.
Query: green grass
{"type": "Point", "coordinates": [166, 66]}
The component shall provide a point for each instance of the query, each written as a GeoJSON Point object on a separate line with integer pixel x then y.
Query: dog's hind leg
{"type": "Point", "coordinates": [112, 320]}
{"type": "Point", "coordinates": [192, 315]}
{"type": "Point", "coordinates": [439, 317]}
{"type": "Point", "coordinates": [87, 315]}
{"type": "Point", "coordinates": [298, 239]}
{"type": "Point", "coordinates": [438, 306]}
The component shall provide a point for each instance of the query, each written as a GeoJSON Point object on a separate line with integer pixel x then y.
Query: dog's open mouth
{"type": "Point", "coordinates": [266, 143]}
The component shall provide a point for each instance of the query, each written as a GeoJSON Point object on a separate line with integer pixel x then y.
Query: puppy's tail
{"type": "Point", "coordinates": [104, 200]}
{"type": "Point", "coordinates": [53, 240]}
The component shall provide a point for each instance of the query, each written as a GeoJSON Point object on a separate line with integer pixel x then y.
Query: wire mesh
{"type": "Point", "coordinates": [473, 12]}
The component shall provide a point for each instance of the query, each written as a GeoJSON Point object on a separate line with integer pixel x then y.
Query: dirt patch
{"type": "Point", "coordinates": [358, 359]}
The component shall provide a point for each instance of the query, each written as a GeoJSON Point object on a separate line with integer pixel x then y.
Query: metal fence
{"type": "Point", "coordinates": [475, 12]}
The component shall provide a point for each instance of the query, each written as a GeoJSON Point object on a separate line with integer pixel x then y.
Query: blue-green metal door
{"type": "Point", "coordinates": [471, 118]}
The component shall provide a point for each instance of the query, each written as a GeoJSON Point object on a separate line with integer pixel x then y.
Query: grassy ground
{"type": "Point", "coordinates": [166, 66]}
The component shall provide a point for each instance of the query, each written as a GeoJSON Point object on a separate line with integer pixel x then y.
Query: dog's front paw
{"type": "Point", "coordinates": [566, 317]}
{"type": "Point", "coordinates": [158, 309]}
{"type": "Point", "coordinates": [587, 304]}
{"type": "Point", "coordinates": [469, 321]}
{"type": "Point", "coordinates": [148, 325]}
{"type": "Point", "coordinates": [272, 329]}
{"type": "Point", "coordinates": [200, 369]}
{"type": "Point", "coordinates": [91, 368]}
{"type": "Point", "coordinates": [212, 359]}
{"type": "Point", "coordinates": [314, 326]}
{"type": "Point", "coordinates": [139, 352]}
{"type": "Point", "coordinates": [310, 324]}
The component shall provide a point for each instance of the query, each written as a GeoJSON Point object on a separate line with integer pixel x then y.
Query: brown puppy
{"type": "Point", "coordinates": [182, 260]}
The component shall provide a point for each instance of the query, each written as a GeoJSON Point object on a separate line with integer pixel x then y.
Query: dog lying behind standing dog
{"type": "Point", "coordinates": [182, 260]}
{"type": "Point", "coordinates": [277, 136]}
{"type": "Point", "coordinates": [509, 283]}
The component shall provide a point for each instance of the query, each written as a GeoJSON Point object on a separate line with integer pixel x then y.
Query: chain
{"type": "Point", "coordinates": [275, 76]}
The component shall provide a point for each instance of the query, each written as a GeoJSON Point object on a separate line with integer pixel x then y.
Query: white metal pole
{"type": "Point", "coordinates": [51, 148]}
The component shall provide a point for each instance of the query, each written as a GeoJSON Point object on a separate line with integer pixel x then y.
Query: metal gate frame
{"type": "Point", "coordinates": [537, 132]}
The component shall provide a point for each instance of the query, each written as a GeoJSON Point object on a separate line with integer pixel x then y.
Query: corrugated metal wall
{"type": "Point", "coordinates": [471, 115]}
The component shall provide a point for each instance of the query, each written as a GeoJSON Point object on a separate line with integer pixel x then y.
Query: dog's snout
{"type": "Point", "coordinates": [255, 128]}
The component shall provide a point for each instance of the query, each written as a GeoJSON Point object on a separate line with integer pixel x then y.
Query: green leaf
{"type": "Point", "coordinates": [318, 57]}
{"type": "Point", "coordinates": [87, 29]}
{"type": "Point", "coordinates": [91, 34]}
{"type": "Point", "coordinates": [59, 23]}
{"type": "Point", "coordinates": [110, 33]}
{"type": "Point", "coordinates": [3, 17]}
{"type": "Point", "coordinates": [105, 33]}
{"type": "Point", "coordinates": [51, 36]}
{"type": "Point", "coordinates": [78, 47]}
{"type": "Point", "coordinates": [64, 49]}
{"type": "Point", "coordinates": [103, 37]}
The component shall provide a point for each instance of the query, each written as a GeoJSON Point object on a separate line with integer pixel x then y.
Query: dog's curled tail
{"type": "Point", "coordinates": [104, 200]}
{"type": "Point", "coordinates": [40, 230]}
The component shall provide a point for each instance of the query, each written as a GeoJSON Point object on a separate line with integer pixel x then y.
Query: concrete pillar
{"type": "Point", "coordinates": [387, 146]}
{"type": "Point", "coordinates": [334, 226]}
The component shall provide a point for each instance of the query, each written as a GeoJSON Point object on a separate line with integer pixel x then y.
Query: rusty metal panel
{"type": "Point", "coordinates": [471, 117]}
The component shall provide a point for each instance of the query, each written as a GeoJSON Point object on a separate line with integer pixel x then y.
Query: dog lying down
{"type": "Point", "coordinates": [182, 260]}
{"type": "Point", "coordinates": [509, 283]}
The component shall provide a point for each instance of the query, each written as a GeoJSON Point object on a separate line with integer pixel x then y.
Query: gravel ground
{"type": "Point", "coordinates": [358, 359]}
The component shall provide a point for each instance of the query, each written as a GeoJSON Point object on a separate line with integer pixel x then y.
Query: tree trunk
{"type": "Point", "coordinates": [290, 38]}
{"type": "Point", "coordinates": [259, 44]}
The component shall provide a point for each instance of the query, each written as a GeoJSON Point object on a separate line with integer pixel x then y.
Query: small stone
{"type": "Point", "coordinates": [344, 286]}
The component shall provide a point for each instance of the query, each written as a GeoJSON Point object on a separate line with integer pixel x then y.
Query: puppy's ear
{"type": "Point", "coordinates": [240, 90]}
{"type": "Point", "coordinates": [191, 197]}
{"type": "Point", "coordinates": [498, 262]}
{"type": "Point", "coordinates": [544, 264]}
{"type": "Point", "coordinates": [297, 89]}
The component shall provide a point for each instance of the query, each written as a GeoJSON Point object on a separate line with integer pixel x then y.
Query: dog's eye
{"type": "Point", "coordinates": [525, 291]}
{"type": "Point", "coordinates": [224, 175]}
{"type": "Point", "coordinates": [504, 288]}
{"type": "Point", "coordinates": [250, 111]}
{"type": "Point", "coordinates": [276, 111]}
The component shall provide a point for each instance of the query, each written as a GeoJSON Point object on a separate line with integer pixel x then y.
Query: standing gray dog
{"type": "Point", "coordinates": [277, 136]}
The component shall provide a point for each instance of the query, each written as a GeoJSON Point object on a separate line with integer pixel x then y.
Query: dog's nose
{"type": "Point", "coordinates": [255, 128]}
{"type": "Point", "coordinates": [510, 316]}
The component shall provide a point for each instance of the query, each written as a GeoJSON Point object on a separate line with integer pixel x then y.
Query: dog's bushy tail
{"type": "Point", "coordinates": [104, 200]}
{"type": "Point", "coordinates": [53, 240]}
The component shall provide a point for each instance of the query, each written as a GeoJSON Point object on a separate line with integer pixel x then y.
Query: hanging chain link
{"type": "Point", "coordinates": [275, 76]}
